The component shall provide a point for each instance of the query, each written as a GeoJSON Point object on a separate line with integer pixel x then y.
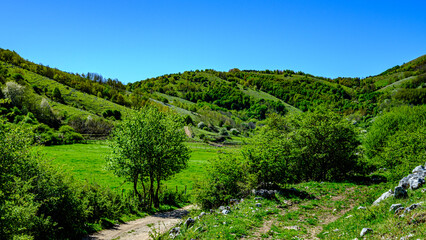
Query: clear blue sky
{"type": "Point", "coordinates": [135, 40]}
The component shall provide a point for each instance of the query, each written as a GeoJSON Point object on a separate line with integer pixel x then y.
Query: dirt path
{"type": "Point", "coordinates": [140, 228]}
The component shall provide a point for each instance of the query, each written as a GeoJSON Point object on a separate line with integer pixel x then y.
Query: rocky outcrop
{"type": "Point", "coordinates": [413, 181]}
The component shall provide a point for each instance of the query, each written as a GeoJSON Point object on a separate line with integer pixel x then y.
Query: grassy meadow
{"type": "Point", "coordinates": [87, 162]}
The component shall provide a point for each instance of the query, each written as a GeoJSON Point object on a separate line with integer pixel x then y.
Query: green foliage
{"type": "Point", "coordinates": [412, 96]}
{"type": "Point", "coordinates": [57, 96]}
{"type": "Point", "coordinates": [225, 180]}
{"type": "Point", "coordinates": [112, 113]}
{"type": "Point", "coordinates": [149, 147]}
{"type": "Point", "coordinates": [47, 136]}
{"type": "Point", "coordinates": [396, 140]}
{"type": "Point", "coordinates": [38, 201]}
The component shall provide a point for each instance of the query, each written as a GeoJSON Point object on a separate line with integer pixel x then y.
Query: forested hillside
{"type": "Point", "coordinates": [271, 129]}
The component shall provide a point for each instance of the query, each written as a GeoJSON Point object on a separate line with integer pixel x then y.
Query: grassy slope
{"type": "Point", "coordinates": [395, 85]}
{"type": "Point", "coordinates": [91, 104]}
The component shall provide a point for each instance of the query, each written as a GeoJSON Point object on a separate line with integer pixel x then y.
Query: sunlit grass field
{"type": "Point", "coordinates": [87, 162]}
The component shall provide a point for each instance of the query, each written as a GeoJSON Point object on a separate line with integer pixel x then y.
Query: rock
{"type": "Point", "coordinates": [258, 198]}
{"type": "Point", "coordinates": [221, 208]}
{"type": "Point", "coordinates": [361, 208]}
{"type": "Point", "coordinates": [297, 228]}
{"type": "Point", "coordinates": [383, 197]}
{"type": "Point", "coordinates": [395, 206]}
{"type": "Point", "coordinates": [174, 232]}
{"type": "Point", "coordinates": [225, 211]}
{"type": "Point", "coordinates": [400, 192]}
{"type": "Point", "coordinates": [349, 216]}
{"type": "Point", "coordinates": [416, 182]}
{"type": "Point", "coordinates": [336, 230]}
{"type": "Point", "coordinates": [189, 222]}
{"type": "Point", "coordinates": [258, 205]}
{"type": "Point", "coordinates": [419, 168]}
{"type": "Point", "coordinates": [423, 190]}
{"type": "Point", "coordinates": [268, 194]}
{"type": "Point", "coordinates": [399, 210]}
{"type": "Point", "coordinates": [404, 182]}
{"type": "Point", "coordinates": [252, 125]}
{"type": "Point", "coordinates": [363, 131]}
{"type": "Point", "coordinates": [365, 231]}
{"type": "Point", "coordinates": [412, 207]}
{"type": "Point", "coordinates": [201, 214]}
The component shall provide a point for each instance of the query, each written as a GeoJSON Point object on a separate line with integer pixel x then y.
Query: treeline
{"type": "Point", "coordinates": [202, 87]}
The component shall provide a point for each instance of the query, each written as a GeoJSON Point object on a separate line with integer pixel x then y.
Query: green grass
{"type": "Point", "coordinates": [90, 103]}
{"type": "Point", "coordinates": [87, 162]}
{"type": "Point", "coordinates": [276, 219]}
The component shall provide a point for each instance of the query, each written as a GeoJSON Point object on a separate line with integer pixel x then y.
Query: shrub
{"type": "Point", "coordinates": [396, 140]}
{"type": "Point", "coordinates": [225, 180]}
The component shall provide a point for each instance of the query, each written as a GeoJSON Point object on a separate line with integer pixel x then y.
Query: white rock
{"type": "Point", "coordinates": [365, 231]}
{"type": "Point", "coordinates": [383, 197]}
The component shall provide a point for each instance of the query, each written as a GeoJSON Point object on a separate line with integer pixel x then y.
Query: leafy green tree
{"type": "Point", "coordinates": [57, 95]}
{"type": "Point", "coordinates": [147, 149]}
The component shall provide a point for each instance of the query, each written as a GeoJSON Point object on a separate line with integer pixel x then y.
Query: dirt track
{"type": "Point", "coordinates": [140, 228]}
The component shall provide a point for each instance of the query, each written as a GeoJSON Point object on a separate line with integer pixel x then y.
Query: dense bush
{"type": "Point", "coordinates": [317, 145]}
{"type": "Point", "coordinates": [396, 140]}
{"type": "Point", "coordinates": [112, 113]}
{"type": "Point", "coordinates": [38, 201]}
{"type": "Point", "coordinates": [43, 134]}
{"type": "Point", "coordinates": [225, 180]}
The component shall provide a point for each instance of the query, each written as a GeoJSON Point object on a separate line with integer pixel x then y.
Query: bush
{"type": "Point", "coordinates": [396, 140]}
{"type": "Point", "coordinates": [316, 145]}
{"type": "Point", "coordinates": [225, 180]}
{"type": "Point", "coordinates": [38, 201]}
{"type": "Point", "coordinates": [112, 113]}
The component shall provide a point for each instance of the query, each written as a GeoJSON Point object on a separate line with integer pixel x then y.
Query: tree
{"type": "Point", "coordinates": [148, 148]}
{"type": "Point", "coordinates": [57, 96]}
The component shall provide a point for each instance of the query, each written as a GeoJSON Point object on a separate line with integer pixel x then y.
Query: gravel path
{"type": "Point", "coordinates": [140, 228]}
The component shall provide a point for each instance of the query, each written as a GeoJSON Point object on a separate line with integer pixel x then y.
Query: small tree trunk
{"type": "Point", "coordinates": [144, 192]}
{"type": "Point", "coordinates": [151, 190]}
{"type": "Point", "coordinates": [135, 187]}
{"type": "Point", "coordinates": [156, 200]}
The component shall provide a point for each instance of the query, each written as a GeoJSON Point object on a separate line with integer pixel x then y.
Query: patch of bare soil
{"type": "Point", "coordinates": [140, 228]}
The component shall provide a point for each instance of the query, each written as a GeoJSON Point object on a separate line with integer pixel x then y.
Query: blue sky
{"type": "Point", "coordinates": [135, 40]}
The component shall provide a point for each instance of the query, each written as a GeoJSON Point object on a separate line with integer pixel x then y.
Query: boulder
{"type": "Point", "coordinates": [419, 168]}
{"type": "Point", "coordinates": [383, 197]}
{"type": "Point", "coordinates": [416, 182]}
{"type": "Point", "coordinates": [365, 231]}
{"type": "Point", "coordinates": [361, 208]}
{"type": "Point", "coordinates": [404, 182]}
{"type": "Point", "coordinates": [399, 210]}
{"type": "Point", "coordinates": [225, 211]}
{"type": "Point", "coordinates": [268, 194]}
{"type": "Point", "coordinates": [395, 206]}
{"type": "Point", "coordinates": [400, 192]}
{"type": "Point", "coordinates": [201, 214]}
{"type": "Point", "coordinates": [258, 205]}
{"type": "Point", "coordinates": [412, 207]}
